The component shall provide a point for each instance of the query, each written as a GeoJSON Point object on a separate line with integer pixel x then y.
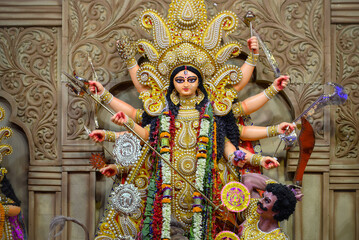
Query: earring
{"type": "Point", "coordinates": [174, 97]}
{"type": "Point", "coordinates": [200, 96]}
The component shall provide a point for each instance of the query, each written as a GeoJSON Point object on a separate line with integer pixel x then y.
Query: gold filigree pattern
{"type": "Point", "coordinates": [5, 132]}
{"type": "Point", "coordinates": [347, 117]}
{"type": "Point", "coordinates": [292, 30]}
{"type": "Point", "coordinates": [28, 70]}
{"type": "Point", "coordinates": [94, 27]}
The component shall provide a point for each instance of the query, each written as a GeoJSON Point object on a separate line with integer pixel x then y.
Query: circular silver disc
{"type": "Point", "coordinates": [127, 149]}
{"type": "Point", "coordinates": [126, 199]}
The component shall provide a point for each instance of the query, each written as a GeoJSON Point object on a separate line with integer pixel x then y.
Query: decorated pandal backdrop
{"type": "Point", "coordinates": [314, 41]}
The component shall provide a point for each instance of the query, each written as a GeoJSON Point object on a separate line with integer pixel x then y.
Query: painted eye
{"type": "Point", "coordinates": [192, 79]}
{"type": "Point", "coordinates": [179, 80]}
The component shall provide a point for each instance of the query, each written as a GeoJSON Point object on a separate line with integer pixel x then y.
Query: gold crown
{"type": "Point", "coordinates": [188, 39]}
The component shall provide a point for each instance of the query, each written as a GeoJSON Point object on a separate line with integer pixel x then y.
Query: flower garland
{"type": "Point", "coordinates": [146, 223]}
{"type": "Point", "coordinates": [157, 206]}
{"type": "Point", "coordinates": [204, 169]}
{"type": "Point", "coordinates": [165, 137]}
{"type": "Point", "coordinates": [203, 176]}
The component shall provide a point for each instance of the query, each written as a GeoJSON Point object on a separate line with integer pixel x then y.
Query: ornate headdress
{"type": "Point", "coordinates": [188, 39]}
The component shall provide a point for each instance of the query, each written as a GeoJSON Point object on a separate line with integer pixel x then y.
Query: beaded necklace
{"type": "Point", "coordinates": [252, 231]}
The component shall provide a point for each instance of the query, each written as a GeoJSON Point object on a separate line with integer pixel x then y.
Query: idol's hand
{"type": "Point", "coordinates": [269, 163]}
{"type": "Point", "coordinates": [238, 158]}
{"type": "Point", "coordinates": [126, 48]}
{"type": "Point", "coordinates": [109, 171]}
{"type": "Point", "coordinates": [281, 82]}
{"type": "Point", "coordinates": [286, 128]}
{"type": "Point", "coordinates": [96, 86]}
{"type": "Point", "coordinates": [253, 45]}
{"type": "Point", "coordinates": [97, 135]}
{"type": "Point", "coordinates": [239, 163]}
{"type": "Point", "coordinates": [119, 118]}
{"type": "Point", "coordinates": [297, 192]}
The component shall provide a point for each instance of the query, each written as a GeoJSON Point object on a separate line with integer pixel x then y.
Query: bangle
{"type": "Point", "coordinates": [272, 131]}
{"type": "Point", "coordinates": [252, 59]}
{"type": "Point", "coordinates": [270, 91]}
{"type": "Point", "coordinates": [138, 118]}
{"type": "Point", "coordinates": [269, 181]}
{"type": "Point", "coordinates": [106, 97]}
{"type": "Point", "coordinates": [131, 63]}
{"type": "Point", "coordinates": [237, 109]}
{"type": "Point", "coordinates": [240, 128]}
{"type": "Point", "coordinates": [130, 123]}
{"type": "Point", "coordinates": [110, 136]}
{"type": "Point", "coordinates": [255, 160]}
{"type": "Point", "coordinates": [230, 157]}
{"type": "Point", "coordinates": [119, 168]}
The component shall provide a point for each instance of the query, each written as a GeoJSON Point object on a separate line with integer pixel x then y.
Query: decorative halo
{"type": "Point", "coordinates": [226, 235]}
{"type": "Point", "coordinates": [126, 199]}
{"type": "Point", "coordinates": [127, 149]}
{"type": "Point", "coordinates": [235, 196]}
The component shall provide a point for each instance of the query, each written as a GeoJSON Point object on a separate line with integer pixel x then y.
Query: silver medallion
{"type": "Point", "coordinates": [127, 149]}
{"type": "Point", "coordinates": [126, 199]}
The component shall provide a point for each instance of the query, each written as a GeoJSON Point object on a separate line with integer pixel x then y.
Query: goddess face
{"type": "Point", "coordinates": [186, 83]}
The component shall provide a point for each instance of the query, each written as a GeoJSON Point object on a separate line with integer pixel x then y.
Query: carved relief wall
{"type": "Point", "coordinates": [315, 41]}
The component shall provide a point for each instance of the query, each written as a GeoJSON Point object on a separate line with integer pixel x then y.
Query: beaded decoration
{"type": "Point", "coordinates": [235, 196]}
{"type": "Point", "coordinates": [106, 97]}
{"type": "Point", "coordinates": [272, 131]}
{"type": "Point", "coordinates": [110, 136]}
{"type": "Point", "coordinates": [252, 59]}
{"type": "Point", "coordinates": [188, 39]}
{"type": "Point", "coordinates": [270, 92]}
{"type": "Point", "coordinates": [255, 160]}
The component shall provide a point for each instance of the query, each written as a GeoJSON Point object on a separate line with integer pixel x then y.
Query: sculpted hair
{"type": "Point", "coordinates": [226, 125]}
{"type": "Point", "coordinates": [8, 191]}
{"type": "Point", "coordinates": [286, 201]}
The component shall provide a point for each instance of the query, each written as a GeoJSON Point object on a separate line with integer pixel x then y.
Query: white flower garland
{"type": "Point", "coordinates": [166, 179]}
{"type": "Point", "coordinates": [200, 171]}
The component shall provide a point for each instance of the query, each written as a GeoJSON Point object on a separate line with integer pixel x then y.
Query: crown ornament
{"type": "Point", "coordinates": [187, 38]}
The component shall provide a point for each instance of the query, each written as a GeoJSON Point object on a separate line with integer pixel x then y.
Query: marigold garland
{"type": "Point", "coordinates": [165, 150]}
{"type": "Point", "coordinates": [203, 139]}
{"type": "Point", "coordinates": [197, 209]}
{"type": "Point", "coordinates": [2, 219]}
{"type": "Point", "coordinates": [166, 127]}
{"type": "Point", "coordinates": [166, 200]}
{"type": "Point", "coordinates": [206, 163]}
{"type": "Point", "coordinates": [201, 155]}
{"type": "Point", "coordinates": [165, 135]}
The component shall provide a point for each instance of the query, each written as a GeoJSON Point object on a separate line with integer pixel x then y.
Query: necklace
{"type": "Point", "coordinates": [252, 231]}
